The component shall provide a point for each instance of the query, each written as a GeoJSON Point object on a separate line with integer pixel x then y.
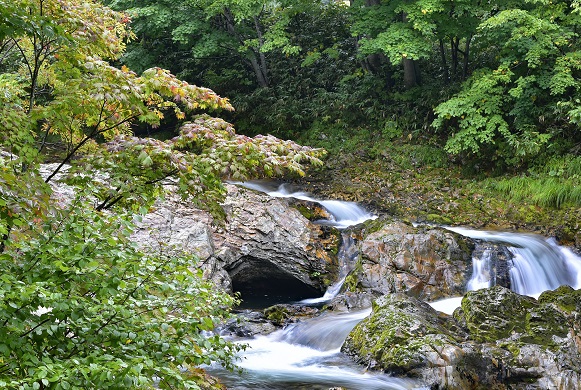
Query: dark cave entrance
{"type": "Point", "coordinates": [262, 284]}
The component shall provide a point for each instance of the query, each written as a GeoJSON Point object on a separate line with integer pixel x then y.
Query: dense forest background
{"type": "Point", "coordinates": [495, 83]}
{"type": "Point", "coordinates": [489, 87]}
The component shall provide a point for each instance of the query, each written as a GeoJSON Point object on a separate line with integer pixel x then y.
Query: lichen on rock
{"type": "Point", "coordinates": [497, 340]}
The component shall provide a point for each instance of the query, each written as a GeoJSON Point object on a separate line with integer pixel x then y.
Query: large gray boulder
{"type": "Point", "coordinates": [262, 245]}
{"type": "Point", "coordinates": [496, 340]}
{"type": "Point", "coordinates": [428, 262]}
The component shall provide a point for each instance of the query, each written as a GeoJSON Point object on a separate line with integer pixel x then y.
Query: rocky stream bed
{"type": "Point", "coordinates": [267, 246]}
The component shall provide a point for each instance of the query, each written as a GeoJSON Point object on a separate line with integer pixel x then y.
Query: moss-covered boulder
{"type": "Point", "coordinates": [497, 340]}
{"type": "Point", "coordinates": [400, 334]}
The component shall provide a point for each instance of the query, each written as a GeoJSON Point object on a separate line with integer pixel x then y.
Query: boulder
{"type": "Point", "coordinates": [428, 263]}
{"type": "Point", "coordinates": [497, 340]}
{"type": "Point", "coordinates": [272, 246]}
{"type": "Point", "coordinates": [263, 247]}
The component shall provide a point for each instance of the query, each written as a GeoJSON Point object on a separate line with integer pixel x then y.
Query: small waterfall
{"type": "Point", "coordinates": [538, 264]}
{"type": "Point", "coordinates": [346, 257]}
{"type": "Point", "coordinates": [344, 214]}
{"type": "Point", "coordinates": [326, 332]}
{"type": "Point", "coordinates": [481, 275]}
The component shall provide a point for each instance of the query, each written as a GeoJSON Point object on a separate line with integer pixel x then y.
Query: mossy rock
{"type": "Point", "coordinates": [399, 334]}
{"type": "Point", "coordinates": [277, 314]}
{"type": "Point", "coordinates": [565, 298]}
{"type": "Point", "coordinates": [497, 313]}
{"type": "Point", "coordinates": [439, 219]}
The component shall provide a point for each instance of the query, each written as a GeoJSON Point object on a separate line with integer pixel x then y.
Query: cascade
{"type": "Point", "coordinates": [344, 214]}
{"type": "Point", "coordinates": [347, 257]}
{"type": "Point", "coordinates": [306, 355]}
{"type": "Point", "coordinates": [537, 265]}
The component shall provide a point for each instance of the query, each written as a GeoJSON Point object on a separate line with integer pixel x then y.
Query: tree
{"type": "Point", "coordinates": [246, 30]}
{"type": "Point", "coordinates": [409, 31]}
{"type": "Point", "coordinates": [80, 305]}
{"type": "Point", "coordinates": [528, 97]}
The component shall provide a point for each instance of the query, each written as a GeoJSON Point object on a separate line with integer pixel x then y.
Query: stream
{"type": "Point", "coordinates": [306, 355]}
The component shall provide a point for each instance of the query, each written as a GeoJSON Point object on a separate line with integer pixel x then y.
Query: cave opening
{"type": "Point", "coordinates": [261, 284]}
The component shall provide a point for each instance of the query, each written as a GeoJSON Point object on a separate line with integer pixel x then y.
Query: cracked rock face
{"type": "Point", "coordinates": [263, 247]}
{"type": "Point", "coordinates": [427, 263]}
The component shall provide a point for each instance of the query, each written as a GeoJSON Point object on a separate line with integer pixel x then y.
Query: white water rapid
{"type": "Point", "coordinates": [306, 355]}
{"type": "Point", "coordinates": [344, 214]}
{"type": "Point", "coordinates": [538, 264]}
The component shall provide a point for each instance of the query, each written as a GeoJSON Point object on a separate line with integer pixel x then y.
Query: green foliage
{"type": "Point", "coordinates": [545, 192]}
{"type": "Point", "coordinates": [395, 43]}
{"type": "Point", "coordinates": [513, 111]}
{"type": "Point", "coordinates": [554, 184]}
{"type": "Point", "coordinates": [80, 305]}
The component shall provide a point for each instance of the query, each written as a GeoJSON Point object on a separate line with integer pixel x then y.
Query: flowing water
{"type": "Point", "coordinates": [343, 214]}
{"type": "Point", "coordinates": [307, 356]}
{"type": "Point", "coordinates": [538, 264]}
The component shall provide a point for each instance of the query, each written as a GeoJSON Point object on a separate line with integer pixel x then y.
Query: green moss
{"type": "Point", "coordinates": [305, 211]}
{"type": "Point", "coordinates": [565, 298]}
{"type": "Point", "coordinates": [439, 219]}
{"type": "Point", "coordinates": [352, 280]}
{"type": "Point", "coordinates": [495, 313]}
{"type": "Point", "coordinates": [276, 314]}
{"type": "Point", "coordinates": [513, 347]}
{"type": "Point", "coordinates": [399, 333]}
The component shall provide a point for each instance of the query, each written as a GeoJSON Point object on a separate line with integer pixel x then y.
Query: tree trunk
{"type": "Point", "coordinates": [256, 60]}
{"type": "Point", "coordinates": [263, 80]}
{"type": "Point", "coordinates": [411, 70]}
{"type": "Point", "coordinates": [454, 53]}
{"type": "Point", "coordinates": [446, 74]}
{"type": "Point", "coordinates": [410, 77]}
{"type": "Point", "coordinates": [259, 71]}
{"type": "Point", "coordinates": [466, 57]}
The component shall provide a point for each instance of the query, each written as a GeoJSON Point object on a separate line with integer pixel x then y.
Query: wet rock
{"type": "Point", "coordinates": [428, 263]}
{"type": "Point", "coordinates": [247, 324]}
{"type": "Point", "coordinates": [348, 301]}
{"type": "Point", "coordinates": [283, 314]}
{"type": "Point", "coordinates": [496, 340]}
{"type": "Point", "coordinates": [500, 261]}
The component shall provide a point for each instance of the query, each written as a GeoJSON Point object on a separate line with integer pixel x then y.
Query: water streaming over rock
{"type": "Point", "coordinates": [306, 355]}
{"type": "Point", "coordinates": [344, 214]}
{"type": "Point", "coordinates": [537, 264]}
{"type": "Point", "coordinates": [347, 257]}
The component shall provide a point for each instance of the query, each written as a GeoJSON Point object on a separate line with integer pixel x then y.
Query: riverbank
{"type": "Point", "coordinates": [417, 183]}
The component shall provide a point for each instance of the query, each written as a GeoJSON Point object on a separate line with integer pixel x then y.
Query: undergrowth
{"type": "Point", "coordinates": [553, 184]}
